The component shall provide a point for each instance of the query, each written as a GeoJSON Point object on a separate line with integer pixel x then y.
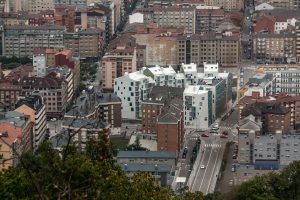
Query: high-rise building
{"type": "Point", "coordinates": [39, 62]}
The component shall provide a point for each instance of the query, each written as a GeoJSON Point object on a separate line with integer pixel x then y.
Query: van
{"type": "Point", "coordinates": [233, 169]}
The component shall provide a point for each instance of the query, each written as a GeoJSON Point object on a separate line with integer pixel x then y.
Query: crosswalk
{"type": "Point", "coordinates": [212, 145]}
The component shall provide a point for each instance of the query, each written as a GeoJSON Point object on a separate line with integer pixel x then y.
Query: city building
{"type": "Point", "coordinates": [132, 88]}
{"type": "Point", "coordinates": [259, 85]}
{"type": "Point", "coordinates": [230, 5]}
{"type": "Point", "coordinates": [105, 107]}
{"type": "Point", "coordinates": [170, 126]}
{"type": "Point", "coordinates": [52, 88]}
{"type": "Point", "coordinates": [286, 76]}
{"type": "Point", "coordinates": [161, 172]}
{"type": "Point", "coordinates": [35, 6]}
{"type": "Point", "coordinates": [84, 130]}
{"type": "Point", "coordinates": [163, 76]}
{"type": "Point", "coordinates": [208, 20]}
{"type": "Point", "coordinates": [148, 157]}
{"type": "Point", "coordinates": [297, 31]}
{"type": "Point", "coordinates": [39, 62]}
{"type": "Point", "coordinates": [274, 48]}
{"type": "Point", "coordinates": [9, 93]}
{"type": "Point", "coordinates": [171, 16]}
{"type": "Point", "coordinates": [66, 58]}
{"type": "Point", "coordinates": [210, 48]}
{"type": "Point", "coordinates": [20, 41]}
{"type": "Point", "coordinates": [70, 2]}
{"type": "Point", "coordinates": [16, 137]}
{"type": "Point", "coordinates": [33, 107]}
{"type": "Point", "coordinates": [85, 44]}
{"type": "Point", "coordinates": [273, 116]}
{"type": "Point", "coordinates": [197, 107]}
{"type": "Point", "coordinates": [121, 58]}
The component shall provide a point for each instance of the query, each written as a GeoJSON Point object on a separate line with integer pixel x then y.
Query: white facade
{"type": "Point", "coordinates": [264, 6]}
{"type": "Point", "coordinates": [196, 108]}
{"type": "Point", "coordinates": [279, 26]}
{"type": "Point", "coordinates": [39, 65]}
{"type": "Point", "coordinates": [136, 18]}
{"type": "Point", "coordinates": [190, 72]}
{"type": "Point", "coordinates": [132, 89]}
{"type": "Point", "coordinates": [35, 6]}
{"type": "Point", "coordinates": [40, 126]}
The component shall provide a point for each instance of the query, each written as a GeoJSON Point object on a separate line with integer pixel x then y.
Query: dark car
{"type": "Point", "coordinates": [225, 133]}
{"type": "Point", "coordinates": [204, 135]}
{"type": "Point", "coordinates": [223, 136]}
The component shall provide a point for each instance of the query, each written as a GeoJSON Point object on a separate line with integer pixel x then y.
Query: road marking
{"type": "Point", "coordinates": [205, 170]}
{"type": "Point", "coordinates": [213, 171]}
{"type": "Point", "coordinates": [198, 169]}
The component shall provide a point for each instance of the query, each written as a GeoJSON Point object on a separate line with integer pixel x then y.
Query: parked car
{"type": "Point", "coordinates": [204, 135]}
{"type": "Point", "coordinates": [234, 156]}
{"type": "Point", "coordinates": [225, 133]}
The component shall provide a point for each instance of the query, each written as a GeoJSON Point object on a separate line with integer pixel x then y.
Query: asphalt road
{"type": "Point", "coordinates": [204, 180]}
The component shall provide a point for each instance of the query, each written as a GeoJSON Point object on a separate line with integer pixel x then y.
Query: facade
{"type": "Point", "coordinates": [18, 130]}
{"type": "Point", "coordinates": [84, 130]}
{"type": "Point", "coordinates": [208, 20]}
{"type": "Point", "coordinates": [52, 88]}
{"type": "Point", "coordinates": [273, 116]}
{"type": "Point", "coordinates": [148, 157]}
{"type": "Point", "coordinates": [85, 43]}
{"type": "Point", "coordinates": [297, 30]}
{"type": "Point", "coordinates": [171, 16]}
{"type": "Point", "coordinates": [9, 93]}
{"type": "Point", "coordinates": [197, 107]}
{"type": "Point", "coordinates": [39, 62]}
{"type": "Point", "coordinates": [20, 41]}
{"type": "Point", "coordinates": [210, 48]}
{"type": "Point", "coordinates": [274, 48]}
{"type": "Point", "coordinates": [231, 5]}
{"type": "Point", "coordinates": [286, 76]}
{"type": "Point", "coordinates": [132, 89]}
{"type": "Point", "coordinates": [260, 85]}
{"type": "Point", "coordinates": [33, 107]}
{"type": "Point", "coordinates": [35, 6]}
{"type": "Point", "coordinates": [70, 2]}
{"type": "Point", "coordinates": [160, 172]}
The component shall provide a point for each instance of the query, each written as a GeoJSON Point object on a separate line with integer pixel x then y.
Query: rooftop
{"type": "Point", "coordinates": [74, 123]}
{"type": "Point", "coordinates": [14, 118]}
{"type": "Point", "coordinates": [147, 154]}
{"type": "Point", "coordinates": [35, 102]}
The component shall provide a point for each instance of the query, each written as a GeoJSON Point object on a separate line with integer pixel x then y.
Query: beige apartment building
{"type": "Point", "coordinates": [210, 48]}
{"type": "Point", "coordinates": [274, 48]}
{"type": "Point", "coordinates": [173, 16]}
{"type": "Point", "coordinates": [228, 5]}
{"type": "Point", "coordinates": [35, 6]}
{"type": "Point", "coordinates": [208, 20]}
{"type": "Point", "coordinates": [297, 29]}
{"type": "Point", "coordinates": [20, 41]}
{"type": "Point", "coordinates": [85, 43]}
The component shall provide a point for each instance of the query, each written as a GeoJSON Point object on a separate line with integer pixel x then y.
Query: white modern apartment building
{"type": "Point", "coordinates": [133, 88]}
{"type": "Point", "coordinates": [219, 86]}
{"type": "Point", "coordinates": [197, 107]}
{"type": "Point", "coordinates": [282, 25]}
{"type": "Point", "coordinates": [287, 77]}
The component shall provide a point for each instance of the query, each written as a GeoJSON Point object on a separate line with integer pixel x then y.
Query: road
{"type": "Point", "coordinates": [204, 179]}
{"type": "Point", "coordinates": [246, 43]}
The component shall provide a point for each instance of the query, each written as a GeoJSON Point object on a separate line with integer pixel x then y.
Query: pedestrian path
{"type": "Point", "coordinates": [212, 145]}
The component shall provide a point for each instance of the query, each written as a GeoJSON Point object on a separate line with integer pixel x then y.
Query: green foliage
{"type": "Point", "coordinates": [136, 146]}
{"type": "Point", "coordinates": [12, 62]}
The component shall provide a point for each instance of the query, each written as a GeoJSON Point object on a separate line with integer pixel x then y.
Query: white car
{"type": "Point", "coordinates": [202, 167]}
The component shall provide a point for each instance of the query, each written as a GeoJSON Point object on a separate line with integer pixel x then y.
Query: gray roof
{"type": "Point", "coordinates": [15, 118]}
{"type": "Point", "coordinates": [147, 154]}
{"type": "Point", "coordinates": [171, 113]}
{"type": "Point", "coordinates": [163, 94]}
{"type": "Point", "coordinates": [84, 123]}
{"type": "Point", "coordinates": [136, 167]}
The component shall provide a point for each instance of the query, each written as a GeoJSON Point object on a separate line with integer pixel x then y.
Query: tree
{"type": "Point", "coordinates": [136, 146]}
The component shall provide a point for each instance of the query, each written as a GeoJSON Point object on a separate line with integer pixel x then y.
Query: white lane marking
{"type": "Point", "coordinates": [198, 169]}
{"type": "Point", "coordinates": [213, 171]}
{"type": "Point", "coordinates": [205, 170]}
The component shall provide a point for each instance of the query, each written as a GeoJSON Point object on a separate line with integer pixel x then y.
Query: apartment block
{"type": "Point", "coordinates": [86, 44]}
{"type": "Point", "coordinates": [159, 97]}
{"type": "Point", "coordinates": [274, 48]}
{"type": "Point", "coordinates": [171, 16]}
{"type": "Point", "coordinates": [9, 93]}
{"type": "Point", "coordinates": [66, 58]}
{"type": "Point", "coordinates": [39, 62]}
{"type": "Point", "coordinates": [273, 116]}
{"type": "Point", "coordinates": [210, 48]}
{"type": "Point", "coordinates": [208, 20]}
{"type": "Point", "coordinates": [287, 77]}
{"type": "Point", "coordinates": [52, 88]}
{"type": "Point", "coordinates": [230, 5]}
{"type": "Point", "coordinates": [20, 41]}
{"type": "Point", "coordinates": [259, 85]}
{"type": "Point", "coordinates": [34, 107]}
{"type": "Point", "coordinates": [297, 30]}
{"type": "Point", "coordinates": [85, 130]}
{"type": "Point", "coordinates": [70, 2]}
{"type": "Point", "coordinates": [121, 57]}
{"type": "Point", "coordinates": [132, 88]}
{"type": "Point", "coordinates": [17, 137]}
{"type": "Point", "coordinates": [35, 6]}
{"type": "Point", "coordinates": [197, 107]}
